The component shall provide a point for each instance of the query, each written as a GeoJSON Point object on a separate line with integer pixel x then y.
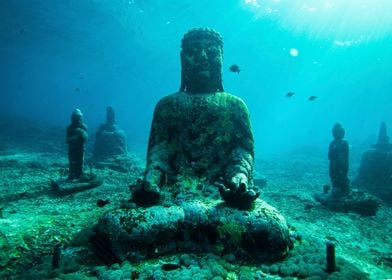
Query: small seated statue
{"type": "Point", "coordinates": [375, 171]}
{"type": "Point", "coordinates": [78, 180]}
{"type": "Point", "coordinates": [342, 198]}
{"type": "Point", "coordinates": [110, 141]}
{"type": "Point", "coordinates": [110, 149]}
{"type": "Point", "coordinates": [200, 134]}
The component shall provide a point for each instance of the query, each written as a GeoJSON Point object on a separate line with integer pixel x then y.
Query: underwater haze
{"type": "Point", "coordinates": [65, 54]}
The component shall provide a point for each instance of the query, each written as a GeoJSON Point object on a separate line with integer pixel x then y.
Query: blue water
{"type": "Point", "coordinates": [66, 54]}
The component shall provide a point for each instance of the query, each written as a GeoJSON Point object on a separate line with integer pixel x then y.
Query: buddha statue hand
{"type": "Point", "coordinates": [237, 194]}
{"type": "Point", "coordinates": [147, 191]}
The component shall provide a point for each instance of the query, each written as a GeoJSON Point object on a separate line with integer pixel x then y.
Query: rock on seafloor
{"type": "Point", "coordinates": [139, 233]}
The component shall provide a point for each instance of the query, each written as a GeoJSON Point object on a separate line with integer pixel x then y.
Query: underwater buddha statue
{"type": "Point", "coordinates": [201, 132]}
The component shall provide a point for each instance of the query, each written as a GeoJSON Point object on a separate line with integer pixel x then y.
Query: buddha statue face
{"type": "Point", "coordinates": [338, 131]}
{"type": "Point", "coordinates": [201, 59]}
{"type": "Point", "coordinates": [77, 117]}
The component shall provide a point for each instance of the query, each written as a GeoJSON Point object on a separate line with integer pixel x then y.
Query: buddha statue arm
{"type": "Point", "coordinates": [242, 156]}
{"type": "Point", "coordinates": [238, 174]}
{"type": "Point", "coordinates": [158, 153]}
{"type": "Point", "coordinates": [240, 168]}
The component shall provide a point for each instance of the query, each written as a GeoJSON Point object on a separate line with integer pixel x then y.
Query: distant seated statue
{"type": "Point", "coordinates": [375, 171]}
{"type": "Point", "coordinates": [338, 161]}
{"type": "Point", "coordinates": [76, 137]}
{"type": "Point", "coordinates": [110, 140]}
{"type": "Point", "coordinates": [201, 132]}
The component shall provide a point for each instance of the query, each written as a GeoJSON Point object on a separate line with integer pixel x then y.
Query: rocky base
{"type": "Point", "coordinates": [141, 233]}
{"type": "Point", "coordinates": [63, 186]}
{"type": "Point", "coordinates": [356, 201]}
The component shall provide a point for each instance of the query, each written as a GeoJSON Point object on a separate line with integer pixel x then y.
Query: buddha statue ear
{"type": "Point", "coordinates": [183, 82]}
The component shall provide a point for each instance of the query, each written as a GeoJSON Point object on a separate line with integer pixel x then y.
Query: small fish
{"type": "Point", "coordinates": [235, 68]}
{"type": "Point", "coordinates": [77, 89]}
{"type": "Point", "coordinates": [170, 266]}
{"type": "Point", "coordinates": [311, 98]}
{"type": "Point", "coordinates": [289, 94]}
{"type": "Point", "coordinates": [102, 202]}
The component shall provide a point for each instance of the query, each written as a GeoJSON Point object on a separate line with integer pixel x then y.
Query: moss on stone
{"type": "Point", "coordinates": [231, 232]}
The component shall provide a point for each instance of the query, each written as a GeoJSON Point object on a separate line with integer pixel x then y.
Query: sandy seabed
{"type": "Point", "coordinates": [33, 219]}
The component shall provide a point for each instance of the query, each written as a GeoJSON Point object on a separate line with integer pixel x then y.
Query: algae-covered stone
{"type": "Point", "coordinates": [196, 227]}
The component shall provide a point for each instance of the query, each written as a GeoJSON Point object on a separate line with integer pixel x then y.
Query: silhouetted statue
{"type": "Point", "coordinates": [77, 180]}
{"type": "Point", "coordinates": [110, 141]}
{"type": "Point", "coordinates": [375, 171]}
{"type": "Point", "coordinates": [201, 132]}
{"type": "Point", "coordinates": [76, 137]}
{"type": "Point", "coordinates": [342, 198]}
{"type": "Point", "coordinates": [338, 161]}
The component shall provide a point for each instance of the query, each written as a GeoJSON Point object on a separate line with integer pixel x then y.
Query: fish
{"type": "Point", "coordinates": [289, 94]}
{"type": "Point", "coordinates": [311, 98]}
{"type": "Point", "coordinates": [235, 68]}
{"type": "Point", "coordinates": [77, 89]}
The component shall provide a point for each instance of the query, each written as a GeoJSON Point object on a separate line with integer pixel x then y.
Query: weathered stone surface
{"type": "Point", "coordinates": [196, 227]}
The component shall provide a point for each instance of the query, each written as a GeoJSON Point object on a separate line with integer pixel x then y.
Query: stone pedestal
{"type": "Point", "coordinates": [356, 201]}
{"type": "Point", "coordinates": [194, 227]}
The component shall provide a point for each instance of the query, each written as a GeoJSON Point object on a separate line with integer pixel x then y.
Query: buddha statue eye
{"type": "Point", "coordinates": [193, 50]}
{"type": "Point", "coordinates": [212, 51]}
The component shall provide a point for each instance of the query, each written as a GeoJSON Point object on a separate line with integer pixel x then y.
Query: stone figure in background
{"type": "Point", "coordinates": [76, 137]}
{"type": "Point", "coordinates": [338, 161]}
{"type": "Point", "coordinates": [201, 132]}
{"type": "Point", "coordinates": [77, 180]}
{"type": "Point", "coordinates": [110, 141]}
{"type": "Point", "coordinates": [375, 171]}
{"type": "Point", "coordinates": [110, 149]}
{"type": "Point", "coordinates": [342, 198]}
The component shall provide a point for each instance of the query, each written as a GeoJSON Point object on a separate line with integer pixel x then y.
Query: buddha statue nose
{"type": "Point", "coordinates": [203, 54]}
